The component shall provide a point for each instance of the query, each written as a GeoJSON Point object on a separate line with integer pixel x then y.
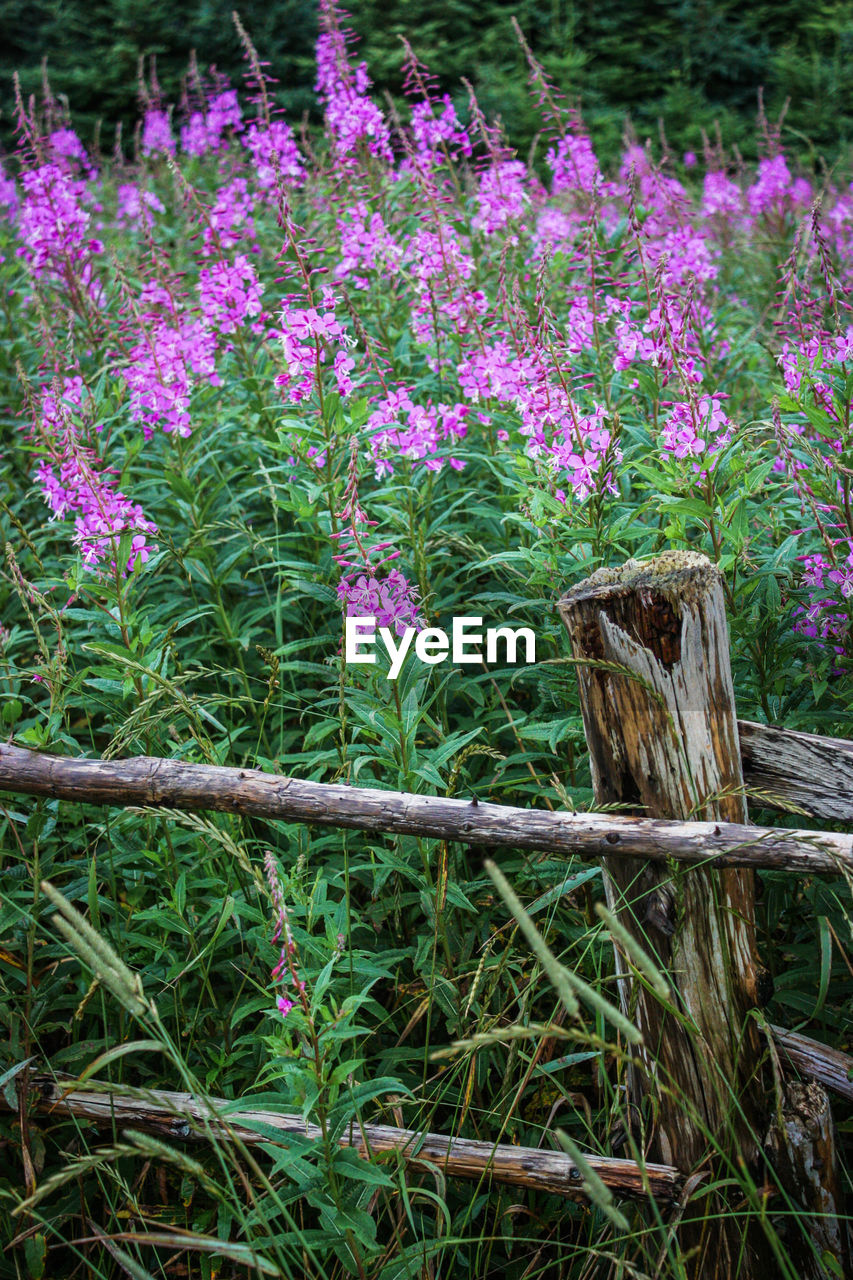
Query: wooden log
{"type": "Point", "coordinates": [182, 1116]}
{"type": "Point", "coordinates": [830, 1066]}
{"type": "Point", "coordinates": [803, 1151]}
{"type": "Point", "coordinates": [658, 711]}
{"type": "Point", "coordinates": [811, 772]}
{"type": "Point", "coordinates": [175, 784]}
{"type": "Point", "coordinates": [659, 716]}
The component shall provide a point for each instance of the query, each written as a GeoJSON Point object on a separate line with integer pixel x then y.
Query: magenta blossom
{"type": "Point", "coordinates": [438, 134]}
{"type": "Point", "coordinates": [75, 483]}
{"type": "Point", "coordinates": [352, 119]}
{"type": "Point", "coordinates": [157, 136]}
{"type": "Point", "coordinates": [229, 221]}
{"type": "Point", "coordinates": [230, 294]}
{"type": "Point", "coordinates": [275, 155]}
{"type": "Point", "coordinates": [170, 351]}
{"type": "Point", "coordinates": [285, 968]}
{"type": "Point", "coordinates": [204, 130]}
{"type": "Point", "coordinates": [826, 618]}
{"type": "Point", "coordinates": [574, 165]}
{"type": "Point", "coordinates": [136, 206]}
{"type": "Point", "coordinates": [368, 588]}
{"type": "Point", "coordinates": [53, 223]}
{"type": "Point", "coordinates": [697, 429]}
{"type": "Point", "coordinates": [309, 336]}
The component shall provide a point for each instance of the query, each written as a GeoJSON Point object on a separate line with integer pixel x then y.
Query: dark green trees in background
{"type": "Point", "coordinates": [685, 63]}
{"type": "Point", "coordinates": [688, 63]}
{"type": "Point", "coordinates": [93, 49]}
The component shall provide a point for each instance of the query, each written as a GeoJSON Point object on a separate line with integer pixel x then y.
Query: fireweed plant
{"type": "Point", "coordinates": [260, 381]}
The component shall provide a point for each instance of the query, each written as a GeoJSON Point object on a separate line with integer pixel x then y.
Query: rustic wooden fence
{"type": "Point", "coordinates": [651, 645]}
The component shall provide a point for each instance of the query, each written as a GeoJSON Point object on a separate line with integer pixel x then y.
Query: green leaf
{"type": "Point", "coordinates": [119, 1051]}
{"type": "Point", "coordinates": [35, 1252]}
{"type": "Point", "coordinates": [825, 951]}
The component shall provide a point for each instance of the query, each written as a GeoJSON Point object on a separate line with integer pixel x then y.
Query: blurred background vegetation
{"type": "Point", "coordinates": [681, 63]}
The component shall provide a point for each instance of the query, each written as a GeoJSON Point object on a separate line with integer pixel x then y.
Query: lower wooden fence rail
{"type": "Point", "coordinates": [183, 1116]}
{"type": "Point", "coordinates": [175, 784]}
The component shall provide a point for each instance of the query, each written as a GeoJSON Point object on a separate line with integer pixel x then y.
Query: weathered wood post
{"type": "Point", "coordinates": [652, 646]}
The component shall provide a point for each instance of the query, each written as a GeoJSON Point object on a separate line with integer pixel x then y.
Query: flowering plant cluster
{"type": "Point", "coordinates": [271, 380]}
{"type": "Point", "coordinates": [285, 970]}
{"type": "Point", "coordinates": [74, 483]}
{"type": "Point", "coordinates": [470, 303]}
{"type": "Point", "coordinates": [368, 588]}
{"type": "Point", "coordinates": [204, 130]}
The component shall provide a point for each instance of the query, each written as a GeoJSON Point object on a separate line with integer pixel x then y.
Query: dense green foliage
{"type": "Point", "coordinates": [686, 65]}
{"type": "Point", "coordinates": [644, 383]}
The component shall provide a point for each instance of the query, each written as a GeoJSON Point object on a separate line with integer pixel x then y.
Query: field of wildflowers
{"type": "Point", "coordinates": [258, 380]}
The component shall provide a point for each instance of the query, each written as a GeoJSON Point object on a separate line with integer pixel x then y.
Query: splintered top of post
{"type": "Point", "coordinates": [684, 574]}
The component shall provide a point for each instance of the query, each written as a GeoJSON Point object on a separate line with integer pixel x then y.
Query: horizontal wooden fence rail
{"type": "Point", "coordinates": [182, 1116]}
{"type": "Point", "coordinates": [802, 769]}
{"type": "Point", "coordinates": [174, 784]}
{"type": "Point", "coordinates": [811, 1058]}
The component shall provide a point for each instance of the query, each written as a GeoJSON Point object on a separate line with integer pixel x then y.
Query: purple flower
{"type": "Point", "coordinates": [365, 244]}
{"type": "Point", "coordinates": [769, 191]}
{"type": "Point", "coordinates": [229, 221]}
{"type": "Point", "coordinates": [438, 134]}
{"type": "Point", "coordinates": [8, 193]}
{"type": "Point", "coordinates": [308, 336]}
{"type": "Point", "coordinates": [843, 577]}
{"type": "Point", "coordinates": [501, 198]}
{"type": "Point", "coordinates": [574, 165]}
{"type": "Point", "coordinates": [194, 137]}
{"type": "Point", "coordinates": [826, 618]}
{"type": "Point", "coordinates": [420, 433]}
{"type": "Point", "coordinates": [696, 428]}
{"type": "Point", "coordinates": [287, 958]}
{"type": "Point", "coordinates": [74, 482]}
{"type": "Point", "coordinates": [136, 206]}
{"type": "Point", "coordinates": [52, 223]}
{"type": "Point", "coordinates": [168, 351]}
{"type": "Point", "coordinates": [391, 599]}
{"type": "Point", "coordinates": [368, 588]}
{"type": "Point", "coordinates": [275, 155]}
{"type": "Point", "coordinates": [352, 120]}
{"type": "Point", "coordinates": [204, 130]}
{"type": "Point", "coordinates": [64, 145]}
{"type": "Point", "coordinates": [230, 293]}
{"type": "Point", "coordinates": [721, 195]}
{"type": "Point", "coordinates": [157, 136]}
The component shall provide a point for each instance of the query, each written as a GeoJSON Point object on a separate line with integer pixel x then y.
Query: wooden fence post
{"type": "Point", "coordinates": [652, 646]}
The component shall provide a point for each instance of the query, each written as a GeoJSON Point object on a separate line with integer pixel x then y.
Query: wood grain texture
{"type": "Point", "coordinates": [830, 1066]}
{"type": "Point", "coordinates": [182, 1116]}
{"type": "Point", "coordinates": [651, 641]}
{"type": "Point", "coordinates": [657, 702]}
{"type": "Point", "coordinates": [803, 769]}
{"type": "Point", "coordinates": [803, 1152]}
{"type": "Point", "coordinates": [174, 784]}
